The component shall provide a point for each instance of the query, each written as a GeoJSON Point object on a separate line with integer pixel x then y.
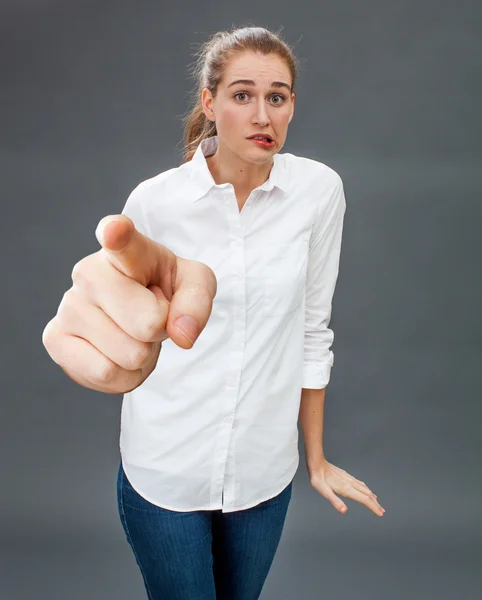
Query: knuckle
{"type": "Point", "coordinates": [50, 334]}
{"type": "Point", "coordinates": [136, 358]}
{"type": "Point", "coordinates": [82, 270]}
{"type": "Point", "coordinates": [79, 271]}
{"type": "Point", "coordinates": [149, 327]}
{"type": "Point", "coordinates": [104, 372]}
{"type": "Point", "coordinates": [209, 271]}
{"type": "Point", "coordinates": [198, 293]}
{"type": "Point", "coordinates": [67, 308]}
{"type": "Point", "coordinates": [54, 340]}
{"type": "Point", "coordinates": [212, 282]}
{"type": "Point", "coordinates": [66, 298]}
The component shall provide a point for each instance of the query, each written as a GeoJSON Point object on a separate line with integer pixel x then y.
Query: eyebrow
{"type": "Point", "coordinates": [275, 84]}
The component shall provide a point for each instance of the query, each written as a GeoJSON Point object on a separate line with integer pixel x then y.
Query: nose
{"type": "Point", "coordinates": [260, 116]}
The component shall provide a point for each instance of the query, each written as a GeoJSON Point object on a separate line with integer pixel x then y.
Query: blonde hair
{"type": "Point", "coordinates": [208, 69]}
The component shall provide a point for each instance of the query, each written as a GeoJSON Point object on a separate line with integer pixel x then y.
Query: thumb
{"type": "Point", "coordinates": [195, 287]}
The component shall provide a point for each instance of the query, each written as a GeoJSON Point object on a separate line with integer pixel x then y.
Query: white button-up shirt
{"type": "Point", "coordinates": [215, 427]}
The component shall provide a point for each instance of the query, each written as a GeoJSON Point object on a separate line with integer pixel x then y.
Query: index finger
{"type": "Point", "coordinates": [132, 253]}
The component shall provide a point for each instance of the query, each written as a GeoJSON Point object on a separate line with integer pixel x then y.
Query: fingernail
{"type": "Point", "coordinates": [188, 327]}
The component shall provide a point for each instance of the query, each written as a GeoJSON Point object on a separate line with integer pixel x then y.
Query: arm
{"type": "Point", "coordinates": [322, 273]}
{"type": "Point", "coordinates": [311, 421]}
{"type": "Point", "coordinates": [321, 278]}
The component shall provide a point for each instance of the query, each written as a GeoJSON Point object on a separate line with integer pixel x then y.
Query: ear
{"type": "Point", "coordinates": [293, 96]}
{"type": "Point", "coordinates": [207, 103]}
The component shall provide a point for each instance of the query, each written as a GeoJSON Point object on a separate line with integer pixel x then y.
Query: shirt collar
{"type": "Point", "coordinates": [202, 179]}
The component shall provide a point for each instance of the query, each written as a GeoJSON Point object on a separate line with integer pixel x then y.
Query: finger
{"type": "Point", "coordinates": [335, 500]}
{"type": "Point", "coordinates": [368, 501]}
{"type": "Point", "coordinates": [361, 487]}
{"type": "Point", "coordinates": [93, 370]}
{"type": "Point", "coordinates": [360, 484]}
{"type": "Point", "coordinates": [195, 287]}
{"type": "Point", "coordinates": [138, 311]}
{"type": "Point", "coordinates": [89, 322]}
{"type": "Point", "coordinates": [192, 284]}
{"type": "Point", "coordinates": [135, 255]}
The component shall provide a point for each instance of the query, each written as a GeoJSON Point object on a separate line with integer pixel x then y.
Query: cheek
{"type": "Point", "coordinates": [231, 116]}
{"type": "Point", "coordinates": [283, 117]}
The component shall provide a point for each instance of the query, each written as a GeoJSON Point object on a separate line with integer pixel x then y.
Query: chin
{"type": "Point", "coordinates": [260, 160]}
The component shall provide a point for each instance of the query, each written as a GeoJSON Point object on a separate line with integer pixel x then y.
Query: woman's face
{"type": "Point", "coordinates": [243, 109]}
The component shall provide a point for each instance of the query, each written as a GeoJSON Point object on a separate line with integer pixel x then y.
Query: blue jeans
{"type": "Point", "coordinates": [201, 555]}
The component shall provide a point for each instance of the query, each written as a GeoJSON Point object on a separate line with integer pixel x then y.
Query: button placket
{"type": "Point", "coordinates": [234, 218]}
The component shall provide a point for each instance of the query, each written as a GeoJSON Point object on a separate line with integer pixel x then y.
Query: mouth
{"type": "Point", "coordinates": [263, 140]}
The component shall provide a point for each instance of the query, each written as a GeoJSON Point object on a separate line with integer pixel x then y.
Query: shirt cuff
{"type": "Point", "coordinates": [317, 376]}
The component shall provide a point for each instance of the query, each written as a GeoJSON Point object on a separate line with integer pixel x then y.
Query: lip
{"type": "Point", "coordinates": [261, 135]}
{"type": "Point", "coordinates": [262, 143]}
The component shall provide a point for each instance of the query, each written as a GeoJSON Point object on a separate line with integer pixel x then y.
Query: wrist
{"type": "Point", "coordinates": [315, 464]}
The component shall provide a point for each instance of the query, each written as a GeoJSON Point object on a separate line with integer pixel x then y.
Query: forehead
{"type": "Point", "coordinates": [261, 68]}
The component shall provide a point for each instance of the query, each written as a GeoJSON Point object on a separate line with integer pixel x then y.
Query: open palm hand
{"type": "Point", "coordinates": [330, 480]}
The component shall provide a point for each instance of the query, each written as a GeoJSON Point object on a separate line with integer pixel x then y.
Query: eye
{"type": "Point", "coordinates": [240, 94]}
{"type": "Point", "coordinates": [280, 96]}
{"type": "Point", "coordinates": [246, 94]}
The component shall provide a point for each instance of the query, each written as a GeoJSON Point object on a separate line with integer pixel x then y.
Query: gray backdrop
{"type": "Point", "coordinates": [389, 95]}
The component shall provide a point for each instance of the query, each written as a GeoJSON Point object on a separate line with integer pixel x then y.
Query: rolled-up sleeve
{"type": "Point", "coordinates": [321, 277]}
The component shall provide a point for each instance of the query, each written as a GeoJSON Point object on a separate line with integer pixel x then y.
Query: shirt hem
{"type": "Point", "coordinates": [284, 484]}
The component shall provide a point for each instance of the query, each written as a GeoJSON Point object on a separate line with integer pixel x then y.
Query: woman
{"type": "Point", "coordinates": [241, 439]}
{"type": "Point", "coordinates": [209, 437]}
